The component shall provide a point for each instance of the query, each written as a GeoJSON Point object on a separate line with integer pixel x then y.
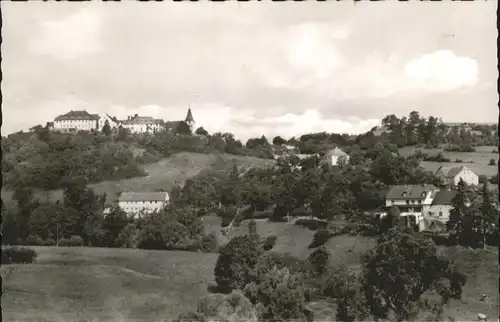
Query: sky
{"type": "Point", "coordinates": [251, 68]}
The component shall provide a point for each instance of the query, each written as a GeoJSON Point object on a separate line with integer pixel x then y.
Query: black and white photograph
{"type": "Point", "coordinates": [249, 161]}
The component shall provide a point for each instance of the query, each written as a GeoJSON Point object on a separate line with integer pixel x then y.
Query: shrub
{"type": "Point", "coordinates": [311, 224]}
{"type": "Point", "coordinates": [483, 179]}
{"type": "Point", "coordinates": [208, 243]}
{"type": "Point", "coordinates": [320, 238]}
{"type": "Point", "coordinates": [74, 241]}
{"type": "Point", "coordinates": [49, 242]}
{"type": "Point", "coordinates": [492, 161]}
{"type": "Point", "coordinates": [319, 260]}
{"type": "Point", "coordinates": [235, 263]}
{"type": "Point", "coordinates": [15, 255]}
{"type": "Point", "coordinates": [269, 243]}
{"type": "Point", "coordinates": [34, 240]}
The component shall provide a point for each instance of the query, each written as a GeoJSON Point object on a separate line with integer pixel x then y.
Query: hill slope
{"type": "Point", "coordinates": [162, 175]}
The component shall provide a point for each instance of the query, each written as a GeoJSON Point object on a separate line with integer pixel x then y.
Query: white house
{"type": "Point", "coordinates": [76, 121]}
{"type": "Point", "coordinates": [336, 157]}
{"type": "Point", "coordinates": [142, 202]}
{"type": "Point", "coordinates": [437, 214]}
{"type": "Point", "coordinates": [112, 121]}
{"type": "Point", "coordinates": [142, 124]}
{"type": "Point", "coordinates": [411, 201]}
{"type": "Point", "coordinates": [452, 175]}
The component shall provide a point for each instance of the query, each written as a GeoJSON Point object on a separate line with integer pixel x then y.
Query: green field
{"type": "Point", "coordinates": [97, 284]}
{"type": "Point", "coordinates": [161, 175]}
{"type": "Point", "coordinates": [476, 161]}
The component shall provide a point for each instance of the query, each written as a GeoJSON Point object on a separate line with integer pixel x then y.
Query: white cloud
{"type": "Point", "coordinates": [442, 71]}
{"type": "Point", "coordinates": [75, 35]}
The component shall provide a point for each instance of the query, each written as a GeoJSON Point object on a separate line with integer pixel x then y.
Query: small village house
{"type": "Point", "coordinates": [134, 203]}
{"type": "Point", "coordinates": [437, 214]}
{"type": "Point", "coordinates": [112, 121]}
{"type": "Point", "coordinates": [336, 157]}
{"type": "Point", "coordinates": [411, 200]}
{"type": "Point", "coordinates": [452, 175]}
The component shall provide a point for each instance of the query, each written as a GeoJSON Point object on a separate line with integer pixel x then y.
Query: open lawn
{"type": "Point", "coordinates": [98, 284]}
{"type": "Point", "coordinates": [476, 161]}
{"type": "Point", "coordinates": [161, 175]}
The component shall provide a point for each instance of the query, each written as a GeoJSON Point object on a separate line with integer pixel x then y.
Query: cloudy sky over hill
{"type": "Point", "coordinates": [250, 68]}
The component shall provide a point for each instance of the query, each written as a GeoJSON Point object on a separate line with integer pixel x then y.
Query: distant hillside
{"type": "Point", "coordinates": [160, 176]}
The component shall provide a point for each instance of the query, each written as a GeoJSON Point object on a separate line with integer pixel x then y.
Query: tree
{"type": "Point", "coordinates": [278, 140]}
{"type": "Point", "coordinates": [344, 287]}
{"type": "Point", "coordinates": [106, 129]}
{"type": "Point", "coordinates": [401, 271]}
{"type": "Point", "coordinates": [183, 128]}
{"type": "Point", "coordinates": [458, 212]}
{"type": "Point", "coordinates": [236, 261]}
{"type": "Point", "coordinates": [319, 260]}
{"type": "Point", "coordinates": [391, 220]}
{"type": "Point", "coordinates": [113, 224]}
{"type": "Point", "coordinates": [123, 134]}
{"type": "Point", "coordinates": [488, 214]}
{"type": "Point", "coordinates": [278, 295]}
{"type": "Point", "coordinates": [201, 131]}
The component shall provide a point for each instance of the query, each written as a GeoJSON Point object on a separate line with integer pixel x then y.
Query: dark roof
{"type": "Point", "coordinates": [444, 197]}
{"type": "Point", "coordinates": [170, 125]}
{"type": "Point", "coordinates": [143, 196]}
{"type": "Point", "coordinates": [189, 117]}
{"type": "Point", "coordinates": [77, 115]}
{"type": "Point", "coordinates": [451, 172]}
{"type": "Point", "coordinates": [142, 120]}
{"type": "Point", "coordinates": [412, 191]}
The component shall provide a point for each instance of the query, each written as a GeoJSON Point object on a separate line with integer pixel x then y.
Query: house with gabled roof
{"type": "Point", "coordinates": [437, 213]}
{"type": "Point", "coordinates": [113, 122]}
{"type": "Point", "coordinates": [336, 157]}
{"type": "Point", "coordinates": [411, 200]}
{"type": "Point", "coordinates": [452, 175]}
{"type": "Point", "coordinates": [134, 203]}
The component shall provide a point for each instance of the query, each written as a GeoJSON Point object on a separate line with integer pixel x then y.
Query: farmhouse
{"type": "Point", "coordinates": [411, 199]}
{"type": "Point", "coordinates": [76, 121]}
{"type": "Point", "coordinates": [452, 175]}
{"type": "Point", "coordinates": [142, 202]}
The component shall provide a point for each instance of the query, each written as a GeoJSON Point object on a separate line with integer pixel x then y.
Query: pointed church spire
{"type": "Point", "coordinates": [189, 117]}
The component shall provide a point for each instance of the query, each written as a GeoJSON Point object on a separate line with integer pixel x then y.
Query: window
{"type": "Point", "coordinates": [420, 202]}
{"type": "Point", "coordinates": [407, 202]}
{"type": "Point", "coordinates": [440, 213]}
{"type": "Point", "coordinates": [429, 213]}
{"type": "Point", "coordinates": [392, 202]}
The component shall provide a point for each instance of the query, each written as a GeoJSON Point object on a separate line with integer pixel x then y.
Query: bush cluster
{"type": "Point", "coordinates": [18, 255]}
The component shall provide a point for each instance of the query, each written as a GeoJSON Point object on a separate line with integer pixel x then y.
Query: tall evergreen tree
{"type": "Point", "coordinates": [458, 212]}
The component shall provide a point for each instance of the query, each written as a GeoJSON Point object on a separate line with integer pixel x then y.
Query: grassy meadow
{"type": "Point", "coordinates": [163, 175]}
{"type": "Point", "coordinates": [98, 284]}
{"type": "Point", "coordinates": [476, 161]}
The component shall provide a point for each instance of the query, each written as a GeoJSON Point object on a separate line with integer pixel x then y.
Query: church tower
{"type": "Point", "coordinates": [190, 120]}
